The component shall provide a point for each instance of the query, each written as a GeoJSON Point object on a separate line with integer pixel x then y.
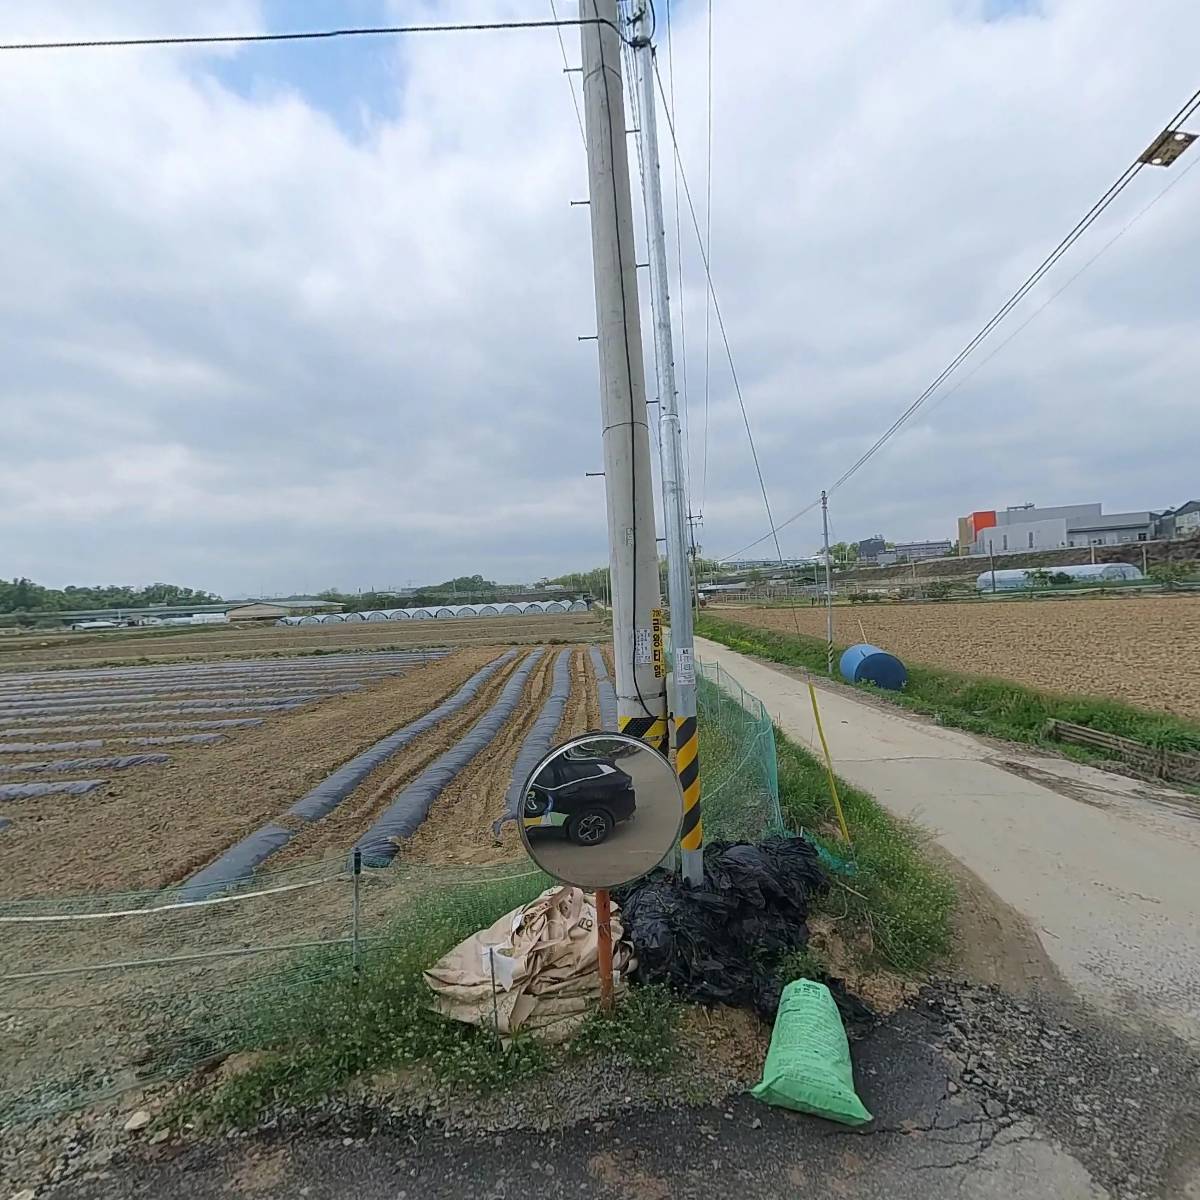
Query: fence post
{"type": "Point", "coordinates": [356, 956]}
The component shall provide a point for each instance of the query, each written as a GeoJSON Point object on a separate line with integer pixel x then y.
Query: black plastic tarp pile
{"type": "Point", "coordinates": [721, 943]}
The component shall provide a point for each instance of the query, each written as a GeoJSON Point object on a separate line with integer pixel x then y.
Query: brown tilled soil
{"type": "Point", "coordinates": [582, 711]}
{"type": "Point", "coordinates": [153, 826]}
{"type": "Point", "coordinates": [32, 651]}
{"type": "Point", "coordinates": [338, 831]}
{"type": "Point", "coordinates": [1140, 650]}
{"type": "Point", "coordinates": [459, 828]}
{"type": "Point", "coordinates": [588, 683]}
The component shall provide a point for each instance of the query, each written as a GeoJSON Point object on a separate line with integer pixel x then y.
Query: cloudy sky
{"type": "Point", "coordinates": [285, 317]}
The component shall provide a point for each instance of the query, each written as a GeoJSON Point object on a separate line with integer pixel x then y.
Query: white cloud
{"type": "Point", "coordinates": [247, 348]}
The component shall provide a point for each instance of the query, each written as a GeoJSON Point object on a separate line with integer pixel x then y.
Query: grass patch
{"type": "Point", "coordinates": [643, 1029]}
{"type": "Point", "coordinates": [993, 707]}
{"type": "Point", "coordinates": [900, 899]}
{"type": "Point", "coordinates": [333, 1025]}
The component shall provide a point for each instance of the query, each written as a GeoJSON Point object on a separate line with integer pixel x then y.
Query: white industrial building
{"type": "Point", "coordinates": [1025, 527]}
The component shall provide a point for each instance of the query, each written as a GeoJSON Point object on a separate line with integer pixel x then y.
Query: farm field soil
{"type": "Point", "coordinates": [234, 642]}
{"type": "Point", "coordinates": [1140, 650]}
{"type": "Point", "coordinates": [153, 826]}
{"type": "Point", "coordinates": [459, 827]}
{"type": "Point", "coordinates": [335, 834]}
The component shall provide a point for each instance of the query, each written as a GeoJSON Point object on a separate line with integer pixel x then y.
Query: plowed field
{"type": "Point", "coordinates": [1141, 650]}
{"type": "Point", "coordinates": [214, 642]}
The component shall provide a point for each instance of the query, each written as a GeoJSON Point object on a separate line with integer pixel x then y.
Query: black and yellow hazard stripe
{"type": "Point", "coordinates": [687, 766]}
{"type": "Point", "coordinates": [650, 729]}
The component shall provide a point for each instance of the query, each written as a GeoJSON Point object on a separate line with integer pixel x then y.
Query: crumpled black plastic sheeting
{"type": "Point", "coordinates": [720, 943]}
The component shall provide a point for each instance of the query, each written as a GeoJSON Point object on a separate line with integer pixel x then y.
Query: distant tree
{"type": "Point", "coordinates": [1172, 574]}
{"type": "Point", "coordinates": [23, 595]}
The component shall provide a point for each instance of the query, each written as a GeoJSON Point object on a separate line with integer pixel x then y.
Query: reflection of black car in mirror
{"type": "Point", "coordinates": [585, 796]}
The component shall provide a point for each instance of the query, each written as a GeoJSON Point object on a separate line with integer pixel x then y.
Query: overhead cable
{"type": "Point", "coordinates": [737, 387]}
{"type": "Point", "coordinates": [1081, 226]}
{"type": "Point", "coordinates": [306, 35]}
{"type": "Point", "coordinates": [566, 71]}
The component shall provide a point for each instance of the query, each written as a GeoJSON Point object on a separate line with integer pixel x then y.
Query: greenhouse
{"type": "Point", "coordinates": [1017, 579]}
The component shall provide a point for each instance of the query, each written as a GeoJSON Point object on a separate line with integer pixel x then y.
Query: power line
{"type": "Point", "coordinates": [737, 387]}
{"type": "Point", "coordinates": [307, 35]}
{"type": "Point", "coordinates": [1081, 226]}
{"type": "Point", "coordinates": [687, 409]}
{"type": "Point", "coordinates": [773, 532]}
{"type": "Point", "coordinates": [1089, 218]}
{"type": "Point", "coordinates": [566, 71]}
{"type": "Point", "coordinates": [708, 244]}
{"type": "Point", "coordinates": [1037, 312]}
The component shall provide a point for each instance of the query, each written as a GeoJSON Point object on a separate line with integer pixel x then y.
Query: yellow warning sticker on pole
{"type": "Point", "coordinates": [656, 631]}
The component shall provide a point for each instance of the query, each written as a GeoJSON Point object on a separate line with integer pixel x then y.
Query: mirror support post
{"type": "Point", "coordinates": [604, 948]}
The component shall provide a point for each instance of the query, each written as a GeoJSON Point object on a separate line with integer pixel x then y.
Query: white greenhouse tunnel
{"type": "Point", "coordinates": [444, 612]}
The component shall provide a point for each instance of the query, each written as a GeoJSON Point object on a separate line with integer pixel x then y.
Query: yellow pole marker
{"type": "Point", "coordinates": [837, 800]}
{"type": "Point", "coordinates": [687, 767]}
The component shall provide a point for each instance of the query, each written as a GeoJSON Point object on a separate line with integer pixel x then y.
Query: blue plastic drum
{"type": "Point", "coordinates": [868, 664]}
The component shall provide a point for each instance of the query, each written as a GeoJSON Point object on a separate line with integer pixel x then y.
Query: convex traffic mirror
{"type": "Point", "coordinates": [601, 810]}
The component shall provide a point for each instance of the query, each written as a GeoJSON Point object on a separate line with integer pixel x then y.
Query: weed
{"type": "Point", "coordinates": [802, 964]}
{"type": "Point", "coordinates": [335, 1024]}
{"type": "Point", "coordinates": [994, 707]}
{"type": "Point", "coordinates": [902, 901]}
{"type": "Point", "coordinates": [642, 1029]}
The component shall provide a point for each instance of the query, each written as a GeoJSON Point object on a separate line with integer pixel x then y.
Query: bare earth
{"type": "Point", "coordinates": [153, 826]}
{"type": "Point", "coordinates": [59, 650]}
{"type": "Point", "coordinates": [1140, 650]}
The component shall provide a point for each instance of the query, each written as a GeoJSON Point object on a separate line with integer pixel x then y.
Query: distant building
{"type": "Point", "coordinates": [272, 610]}
{"type": "Point", "coordinates": [1179, 522]}
{"type": "Point", "coordinates": [912, 551]}
{"type": "Point", "coordinates": [869, 549]}
{"type": "Point", "coordinates": [1025, 527]}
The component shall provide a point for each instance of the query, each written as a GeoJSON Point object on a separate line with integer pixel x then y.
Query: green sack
{"type": "Point", "coordinates": [808, 1064]}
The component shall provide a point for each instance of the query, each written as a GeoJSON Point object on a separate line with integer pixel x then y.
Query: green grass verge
{"type": "Point", "coordinates": [333, 1025]}
{"type": "Point", "coordinates": [895, 894]}
{"type": "Point", "coordinates": [989, 706]}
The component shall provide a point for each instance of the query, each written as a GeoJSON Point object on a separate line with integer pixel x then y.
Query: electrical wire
{"type": "Point", "coordinates": [716, 308]}
{"type": "Point", "coordinates": [1089, 218]}
{"type": "Point", "coordinates": [307, 35]}
{"type": "Point", "coordinates": [566, 71]}
{"type": "Point", "coordinates": [708, 259]}
{"type": "Point", "coordinates": [687, 409]}
{"type": "Point", "coordinates": [1037, 312]}
{"type": "Point", "coordinates": [1081, 226]}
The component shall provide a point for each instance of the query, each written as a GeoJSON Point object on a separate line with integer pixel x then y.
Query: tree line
{"type": "Point", "coordinates": [25, 596]}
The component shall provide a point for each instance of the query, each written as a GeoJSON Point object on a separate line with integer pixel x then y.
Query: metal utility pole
{"type": "Point", "coordinates": [992, 560]}
{"type": "Point", "coordinates": [828, 588]}
{"type": "Point", "coordinates": [628, 485]}
{"type": "Point", "coordinates": [679, 592]}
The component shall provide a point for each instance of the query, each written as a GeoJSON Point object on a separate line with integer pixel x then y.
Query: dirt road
{"type": "Point", "coordinates": [1102, 866]}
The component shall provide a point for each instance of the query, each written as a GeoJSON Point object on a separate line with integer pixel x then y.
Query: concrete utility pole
{"type": "Point", "coordinates": [633, 552]}
{"type": "Point", "coordinates": [828, 588]}
{"type": "Point", "coordinates": [679, 592]}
